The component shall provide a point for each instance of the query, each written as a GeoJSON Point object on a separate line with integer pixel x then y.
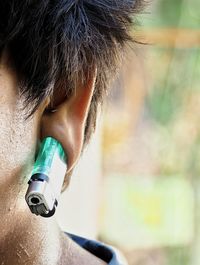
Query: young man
{"type": "Point", "coordinates": [57, 57]}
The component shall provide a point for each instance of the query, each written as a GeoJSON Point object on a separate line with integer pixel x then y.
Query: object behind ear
{"type": "Point", "coordinates": [47, 178]}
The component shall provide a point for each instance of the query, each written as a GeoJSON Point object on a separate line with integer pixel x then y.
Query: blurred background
{"type": "Point", "coordinates": [137, 186]}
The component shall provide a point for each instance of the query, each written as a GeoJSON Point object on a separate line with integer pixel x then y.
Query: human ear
{"type": "Point", "coordinates": [66, 123]}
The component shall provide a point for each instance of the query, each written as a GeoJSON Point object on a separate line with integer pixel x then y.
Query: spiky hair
{"type": "Point", "coordinates": [54, 44]}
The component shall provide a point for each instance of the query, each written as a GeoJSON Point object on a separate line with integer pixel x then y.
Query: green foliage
{"type": "Point", "coordinates": [163, 104]}
{"type": "Point", "coordinates": [176, 76]}
{"type": "Point", "coordinates": [170, 11]}
{"type": "Point", "coordinates": [173, 13]}
{"type": "Point", "coordinates": [178, 256]}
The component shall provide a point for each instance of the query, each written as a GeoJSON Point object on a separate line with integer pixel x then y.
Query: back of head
{"type": "Point", "coordinates": [53, 44]}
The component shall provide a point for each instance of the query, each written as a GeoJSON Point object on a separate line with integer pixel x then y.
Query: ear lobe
{"type": "Point", "coordinates": [67, 123]}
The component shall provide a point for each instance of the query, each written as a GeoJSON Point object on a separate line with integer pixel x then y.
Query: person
{"type": "Point", "coordinates": [57, 58]}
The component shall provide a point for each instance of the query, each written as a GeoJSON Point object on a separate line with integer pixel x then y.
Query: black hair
{"type": "Point", "coordinates": [53, 44]}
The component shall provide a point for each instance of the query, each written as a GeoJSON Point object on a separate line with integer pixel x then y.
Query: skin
{"type": "Point", "coordinates": [26, 238]}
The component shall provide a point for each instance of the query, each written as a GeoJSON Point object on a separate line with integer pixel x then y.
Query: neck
{"type": "Point", "coordinates": [29, 239]}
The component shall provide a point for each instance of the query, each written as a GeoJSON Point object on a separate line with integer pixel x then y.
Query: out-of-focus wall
{"type": "Point", "coordinates": [78, 209]}
{"type": "Point", "coordinates": [151, 141]}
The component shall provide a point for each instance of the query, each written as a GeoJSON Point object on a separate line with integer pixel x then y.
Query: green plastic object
{"type": "Point", "coordinates": [49, 151]}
